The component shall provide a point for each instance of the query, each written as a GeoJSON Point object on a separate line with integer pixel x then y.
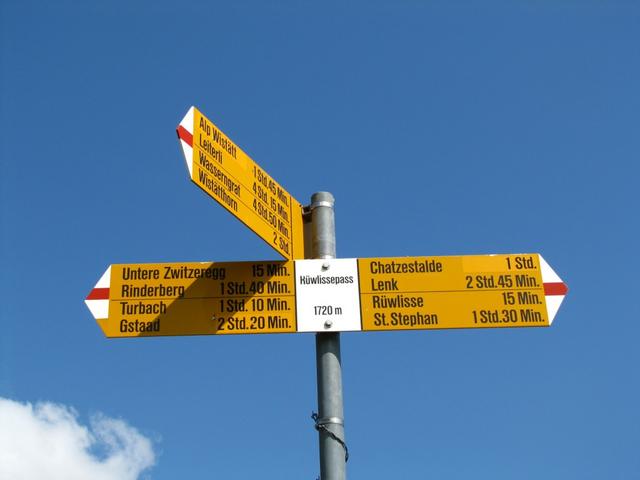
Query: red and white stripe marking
{"type": "Point", "coordinates": [185, 134]}
{"type": "Point", "coordinates": [554, 289]}
{"type": "Point", "coordinates": [98, 298]}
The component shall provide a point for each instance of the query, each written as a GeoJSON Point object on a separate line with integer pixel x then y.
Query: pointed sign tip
{"type": "Point", "coordinates": [554, 289]}
{"type": "Point", "coordinates": [185, 136]}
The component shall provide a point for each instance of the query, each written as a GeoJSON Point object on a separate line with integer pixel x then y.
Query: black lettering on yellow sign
{"type": "Point", "coordinates": [160, 290]}
{"type": "Point", "coordinates": [253, 324]}
{"type": "Point", "coordinates": [401, 319]}
{"type": "Point", "coordinates": [201, 298]}
{"type": "Point", "coordinates": [208, 147]}
{"type": "Point", "coordinates": [396, 301]}
{"type": "Point", "coordinates": [507, 316]}
{"type": "Point", "coordinates": [415, 266]}
{"type": "Point", "coordinates": [136, 326]}
{"type": "Point", "coordinates": [187, 272]}
{"type": "Point", "coordinates": [140, 273]}
{"type": "Point", "coordinates": [521, 262]}
{"type": "Point", "coordinates": [219, 175]}
{"type": "Point", "coordinates": [218, 137]}
{"type": "Point", "coordinates": [216, 189]}
{"type": "Point", "coordinates": [141, 308]}
{"type": "Point", "coordinates": [411, 320]}
{"type": "Point", "coordinates": [451, 292]}
{"type": "Point", "coordinates": [227, 174]}
{"type": "Point", "coordinates": [383, 285]}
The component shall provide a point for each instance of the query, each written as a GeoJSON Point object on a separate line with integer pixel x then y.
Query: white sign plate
{"type": "Point", "coordinates": [327, 296]}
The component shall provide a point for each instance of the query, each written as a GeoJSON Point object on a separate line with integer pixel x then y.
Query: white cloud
{"type": "Point", "coordinates": [46, 442]}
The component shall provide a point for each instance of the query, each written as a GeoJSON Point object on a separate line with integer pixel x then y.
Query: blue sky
{"type": "Point", "coordinates": [441, 128]}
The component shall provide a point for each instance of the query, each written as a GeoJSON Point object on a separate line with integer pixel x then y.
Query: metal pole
{"type": "Point", "coordinates": [330, 423]}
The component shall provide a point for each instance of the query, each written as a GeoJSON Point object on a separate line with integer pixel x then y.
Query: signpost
{"type": "Point", "coordinates": [227, 174]}
{"type": "Point", "coordinates": [322, 294]}
{"type": "Point", "coordinates": [326, 295]}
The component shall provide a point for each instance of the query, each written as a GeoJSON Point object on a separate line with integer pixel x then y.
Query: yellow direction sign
{"type": "Point", "coordinates": [195, 299]}
{"type": "Point", "coordinates": [367, 294]}
{"type": "Point", "coordinates": [480, 291]}
{"type": "Point", "coordinates": [227, 174]}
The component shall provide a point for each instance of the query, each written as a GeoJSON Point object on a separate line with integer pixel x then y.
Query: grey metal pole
{"type": "Point", "coordinates": [330, 421]}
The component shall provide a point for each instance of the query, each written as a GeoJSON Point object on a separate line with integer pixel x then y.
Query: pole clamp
{"type": "Point", "coordinates": [321, 424]}
{"type": "Point", "coordinates": [329, 420]}
{"type": "Point", "coordinates": [321, 203]}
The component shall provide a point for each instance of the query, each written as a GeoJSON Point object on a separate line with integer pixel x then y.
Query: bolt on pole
{"type": "Point", "coordinates": [330, 420]}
